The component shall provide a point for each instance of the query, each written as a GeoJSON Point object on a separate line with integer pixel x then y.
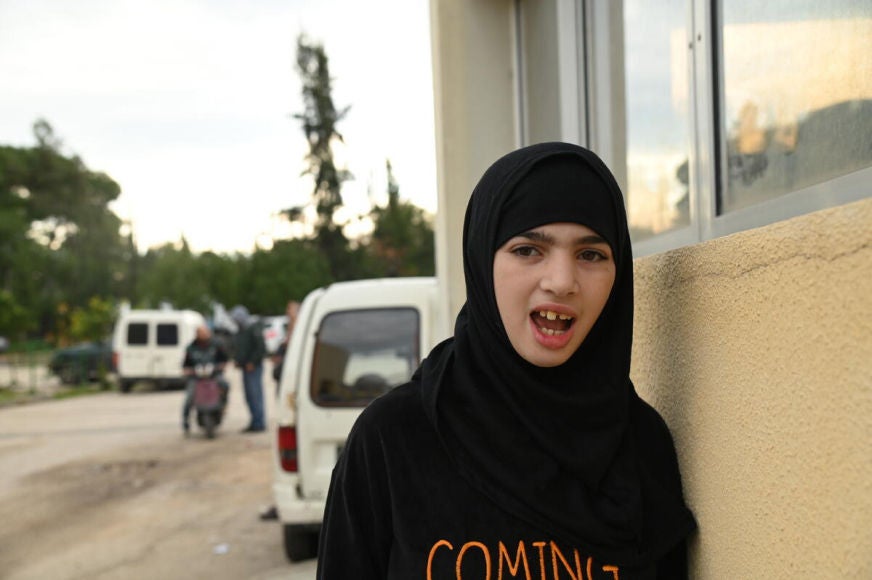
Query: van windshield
{"type": "Point", "coordinates": [361, 354]}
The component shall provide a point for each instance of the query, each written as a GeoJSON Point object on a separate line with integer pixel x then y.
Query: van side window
{"type": "Point", "coordinates": [137, 333]}
{"type": "Point", "coordinates": [167, 334]}
{"type": "Point", "coordinates": [361, 354]}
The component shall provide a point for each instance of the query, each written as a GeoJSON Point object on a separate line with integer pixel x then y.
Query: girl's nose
{"type": "Point", "coordinates": [559, 276]}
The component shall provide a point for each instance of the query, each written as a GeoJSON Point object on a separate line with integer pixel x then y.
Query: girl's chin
{"type": "Point", "coordinates": [542, 355]}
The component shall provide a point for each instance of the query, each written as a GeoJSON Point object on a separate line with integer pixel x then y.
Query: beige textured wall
{"type": "Point", "coordinates": [757, 350]}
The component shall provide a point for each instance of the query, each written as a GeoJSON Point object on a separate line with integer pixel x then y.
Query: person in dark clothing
{"type": "Point", "coordinates": [278, 359]}
{"type": "Point", "coordinates": [249, 349]}
{"type": "Point", "coordinates": [520, 448]}
{"type": "Point", "coordinates": [203, 350]}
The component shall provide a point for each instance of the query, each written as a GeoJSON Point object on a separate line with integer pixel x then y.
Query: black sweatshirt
{"type": "Point", "coordinates": [400, 510]}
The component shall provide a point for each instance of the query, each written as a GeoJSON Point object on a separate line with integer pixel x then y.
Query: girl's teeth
{"type": "Point", "coordinates": [551, 315]}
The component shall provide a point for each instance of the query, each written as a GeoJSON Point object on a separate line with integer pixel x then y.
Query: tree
{"type": "Point", "coordinates": [64, 242]}
{"type": "Point", "coordinates": [16, 249]}
{"type": "Point", "coordinates": [94, 321]}
{"type": "Point", "coordinates": [169, 274]}
{"type": "Point", "coordinates": [288, 271]}
{"type": "Point", "coordinates": [222, 276]}
{"type": "Point", "coordinates": [13, 317]}
{"type": "Point", "coordinates": [319, 121]}
{"type": "Point", "coordinates": [402, 240]}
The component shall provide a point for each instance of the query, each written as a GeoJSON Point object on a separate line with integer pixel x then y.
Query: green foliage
{"type": "Point", "coordinates": [14, 319]}
{"type": "Point", "coordinates": [402, 241]}
{"type": "Point", "coordinates": [94, 322]}
{"type": "Point", "coordinates": [289, 271]}
{"type": "Point", "coordinates": [169, 274]}
{"type": "Point", "coordinates": [223, 276]}
{"type": "Point", "coordinates": [60, 241]}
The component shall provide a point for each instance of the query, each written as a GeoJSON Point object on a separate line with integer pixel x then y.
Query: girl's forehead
{"type": "Point", "coordinates": [560, 232]}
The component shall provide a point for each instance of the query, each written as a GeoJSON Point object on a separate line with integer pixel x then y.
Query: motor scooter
{"type": "Point", "coordinates": [210, 399]}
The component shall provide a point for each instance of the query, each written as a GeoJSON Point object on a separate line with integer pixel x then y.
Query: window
{"type": "Point", "coordinates": [361, 354]}
{"type": "Point", "coordinates": [167, 334]}
{"type": "Point", "coordinates": [137, 333]}
{"type": "Point", "coordinates": [729, 114]}
{"type": "Point", "coordinates": [796, 93]}
{"type": "Point", "coordinates": [657, 120]}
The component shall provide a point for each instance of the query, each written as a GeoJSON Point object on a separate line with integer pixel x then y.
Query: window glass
{"type": "Point", "coordinates": [657, 98]}
{"type": "Point", "coordinates": [167, 334]}
{"type": "Point", "coordinates": [361, 354]}
{"type": "Point", "coordinates": [796, 84]}
{"type": "Point", "coordinates": [137, 333]}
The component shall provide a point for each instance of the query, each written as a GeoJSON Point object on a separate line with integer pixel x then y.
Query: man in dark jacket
{"type": "Point", "coordinates": [203, 351]}
{"type": "Point", "coordinates": [249, 351]}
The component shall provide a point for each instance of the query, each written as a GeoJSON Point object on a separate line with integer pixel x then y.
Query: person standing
{"type": "Point", "coordinates": [249, 351]}
{"type": "Point", "coordinates": [520, 441]}
{"type": "Point", "coordinates": [278, 358]}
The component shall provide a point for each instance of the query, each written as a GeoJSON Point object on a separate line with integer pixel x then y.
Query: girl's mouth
{"type": "Point", "coordinates": [551, 323]}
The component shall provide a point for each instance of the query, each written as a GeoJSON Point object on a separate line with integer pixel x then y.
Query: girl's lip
{"type": "Point", "coordinates": [552, 341]}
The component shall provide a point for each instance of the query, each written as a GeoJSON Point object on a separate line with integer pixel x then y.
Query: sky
{"type": "Point", "coordinates": [189, 104]}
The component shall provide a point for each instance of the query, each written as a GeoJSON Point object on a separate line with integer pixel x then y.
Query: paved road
{"type": "Point", "coordinates": [105, 486]}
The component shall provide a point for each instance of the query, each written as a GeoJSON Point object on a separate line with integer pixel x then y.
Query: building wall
{"type": "Point", "coordinates": [473, 80]}
{"type": "Point", "coordinates": [757, 350]}
{"type": "Point", "coordinates": [756, 347]}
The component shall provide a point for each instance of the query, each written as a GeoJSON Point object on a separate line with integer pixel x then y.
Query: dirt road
{"type": "Point", "coordinates": [105, 487]}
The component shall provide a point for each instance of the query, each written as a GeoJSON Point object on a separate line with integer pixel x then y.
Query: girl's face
{"type": "Point", "coordinates": [551, 285]}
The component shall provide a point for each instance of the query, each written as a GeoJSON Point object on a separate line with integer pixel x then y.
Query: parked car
{"type": "Point", "coordinates": [81, 362]}
{"type": "Point", "coordinates": [352, 342]}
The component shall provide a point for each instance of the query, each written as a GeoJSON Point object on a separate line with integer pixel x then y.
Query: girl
{"type": "Point", "coordinates": [519, 449]}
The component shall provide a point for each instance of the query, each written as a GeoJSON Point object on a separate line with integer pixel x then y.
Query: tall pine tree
{"type": "Point", "coordinates": [319, 120]}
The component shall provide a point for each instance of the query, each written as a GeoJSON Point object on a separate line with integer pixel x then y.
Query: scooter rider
{"type": "Point", "coordinates": [203, 350]}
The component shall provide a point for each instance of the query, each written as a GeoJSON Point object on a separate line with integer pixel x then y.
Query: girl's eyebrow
{"type": "Point", "coordinates": [544, 238]}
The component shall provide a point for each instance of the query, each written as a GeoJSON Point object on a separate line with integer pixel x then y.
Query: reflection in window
{"type": "Point", "coordinates": [361, 354]}
{"type": "Point", "coordinates": [797, 96]}
{"type": "Point", "coordinates": [655, 53]}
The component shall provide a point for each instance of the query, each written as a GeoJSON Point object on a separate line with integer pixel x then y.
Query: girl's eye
{"type": "Point", "coordinates": [525, 251]}
{"type": "Point", "coordinates": [592, 255]}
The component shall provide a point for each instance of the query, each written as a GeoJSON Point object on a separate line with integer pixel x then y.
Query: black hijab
{"type": "Point", "coordinates": [555, 446]}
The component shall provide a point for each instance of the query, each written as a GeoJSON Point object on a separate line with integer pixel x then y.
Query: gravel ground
{"type": "Point", "coordinates": [105, 486]}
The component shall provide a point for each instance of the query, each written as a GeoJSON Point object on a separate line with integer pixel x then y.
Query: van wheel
{"type": "Point", "coordinates": [300, 543]}
{"type": "Point", "coordinates": [125, 386]}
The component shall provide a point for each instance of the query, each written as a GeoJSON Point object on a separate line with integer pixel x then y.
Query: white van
{"type": "Point", "coordinates": [149, 345]}
{"type": "Point", "coordinates": [352, 342]}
